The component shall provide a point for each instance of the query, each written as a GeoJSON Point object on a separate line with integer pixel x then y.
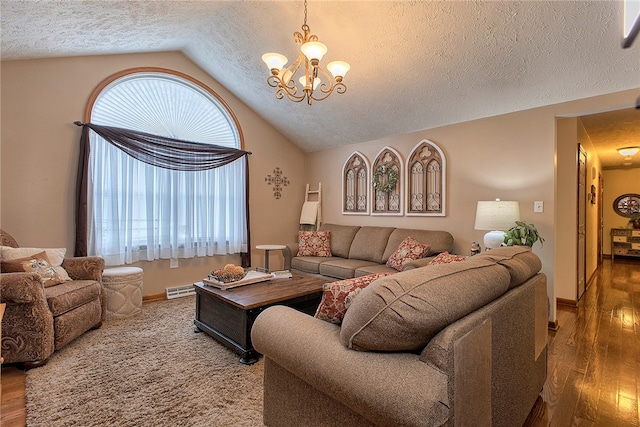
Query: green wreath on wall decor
{"type": "Point", "coordinates": [392, 179]}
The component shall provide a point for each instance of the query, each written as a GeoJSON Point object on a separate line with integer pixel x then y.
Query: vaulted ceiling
{"type": "Point", "coordinates": [414, 64]}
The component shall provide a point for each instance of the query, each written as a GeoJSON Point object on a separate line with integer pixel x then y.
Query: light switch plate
{"type": "Point", "coordinates": [538, 206]}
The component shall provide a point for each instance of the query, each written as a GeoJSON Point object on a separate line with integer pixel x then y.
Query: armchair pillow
{"type": "Point", "coordinates": [314, 243]}
{"type": "Point", "coordinates": [409, 250]}
{"type": "Point", "coordinates": [38, 263]}
{"type": "Point", "coordinates": [54, 255]}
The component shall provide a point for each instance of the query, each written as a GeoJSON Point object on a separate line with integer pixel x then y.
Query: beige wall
{"type": "Point", "coordinates": [565, 280]}
{"type": "Point", "coordinates": [511, 157]}
{"type": "Point", "coordinates": [40, 101]}
{"type": "Point", "coordinates": [616, 183]}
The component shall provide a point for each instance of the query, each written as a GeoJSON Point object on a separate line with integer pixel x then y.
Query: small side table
{"type": "Point", "coordinates": [123, 286]}
{"type": "Point", "coordinates": [266, 249]}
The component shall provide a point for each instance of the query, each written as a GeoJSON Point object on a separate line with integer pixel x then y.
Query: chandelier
{"type": "Point", "coordinates": [305, 78]}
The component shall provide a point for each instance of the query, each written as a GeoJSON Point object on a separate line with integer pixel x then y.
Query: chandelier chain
{"type": "Point", "coordinates": [305, 13]}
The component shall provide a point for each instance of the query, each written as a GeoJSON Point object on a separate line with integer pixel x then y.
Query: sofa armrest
{"type": "Point", "coordinates": [417, 263]}
{"type": "Point", "coordinates": [385, 388]}
{"type": "Point", "coordinates": [84, 268]}
{"type": "Point", "coordinates": [20, 288]}
{"type": "Point", "coordinates": [290, 251]}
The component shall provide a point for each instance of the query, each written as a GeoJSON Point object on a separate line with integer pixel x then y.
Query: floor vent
{"type": "Point", "coordinates": [180, 291]}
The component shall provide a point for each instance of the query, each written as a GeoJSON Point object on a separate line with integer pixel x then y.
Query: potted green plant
{"type": "Point", "coordinates": [522, 234]}
{"type": "Point", "coordinates": [635, 220]}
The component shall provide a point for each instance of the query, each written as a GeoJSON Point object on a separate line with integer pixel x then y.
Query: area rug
{"type": "Point", "coordinates": [147, 370]}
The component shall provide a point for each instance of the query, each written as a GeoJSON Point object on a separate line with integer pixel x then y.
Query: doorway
{"type": "Point", "coordinates": [582, 226]}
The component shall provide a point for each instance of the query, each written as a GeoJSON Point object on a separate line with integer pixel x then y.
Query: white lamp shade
{"type": "Point", "coordinates": [274, 60]}
{"type": "Point", "coordinates": [303, 82]}
{"type": "Point", "coordinates": [313, 50]}
{"type": "Point", "coordinates": [338, 68]}
{"type": "Point", "coordinates": [496, 216]}
{"type": "Point", "coordinates": [628, 151]}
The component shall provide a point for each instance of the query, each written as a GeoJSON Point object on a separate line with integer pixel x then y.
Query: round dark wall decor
{"type": "Point", "coordinates": [627, 205]}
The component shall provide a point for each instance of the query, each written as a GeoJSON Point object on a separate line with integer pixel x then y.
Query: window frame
{"type": "Point", "coordinates": [197, 85]}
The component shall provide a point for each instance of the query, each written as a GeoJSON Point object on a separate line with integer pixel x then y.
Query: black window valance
{"type": "Point", "coordinates": [165, 152]}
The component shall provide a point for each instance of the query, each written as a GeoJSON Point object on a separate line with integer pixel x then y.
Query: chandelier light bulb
{"type": "Point", "coordinates": [338, 68]}
{"type": "Point", "coordinates": [313, 50]}
{"type": "Point", "coordinates": [274, 61]}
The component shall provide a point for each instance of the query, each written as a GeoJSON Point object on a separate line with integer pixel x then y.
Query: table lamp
{"type": "Point", "coordinates": [496, 216]}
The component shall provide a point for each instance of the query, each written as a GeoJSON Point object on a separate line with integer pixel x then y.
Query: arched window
{"type": "Point", "coordinates": [388, 175]}
{"type": "Point", "coordinates": [426, 187]}
{"type": "Point", "coordinates": [141, 212]}
{"type": "Point", "coordinates": [355, 185]}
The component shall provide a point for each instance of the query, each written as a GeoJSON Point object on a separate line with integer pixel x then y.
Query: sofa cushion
{"type": "Point", "coordinates": [439, 241]}
{"type": "Point", "coordinates": [520, 261]}
{"type": "Point", "coordinates": [69, 295]}
{"type": "Point", "coordinates": [337, 296]}
{"type": "Point", "coordinates": [310, 264]}
{"type": "Point", "coordinates": [341, 238]}
{"type": "Point", "coordinates": [38, 263]}
{"type": "Point", "coordinates": [369, 243]}
{"type": "Point", "coordinates": [314, 243]}
{"type": "Point", "coordinates": [342, 268]}
{"type": "Point", "coordinates": [404, 311]}
{"type": "Point", "coordinates": [409, 250]}
{"type": "Point", "coordinates": [373, 269]}
{"type": "Point", "coordinates": [55, 255]}
{"type": "Point", "coordinates": [447, 258]}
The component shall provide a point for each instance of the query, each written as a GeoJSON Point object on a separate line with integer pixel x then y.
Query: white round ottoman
{"type": "Point", "coordinates": [123, 286]}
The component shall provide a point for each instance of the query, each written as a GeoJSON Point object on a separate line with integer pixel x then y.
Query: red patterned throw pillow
{"type": "Point", "coordinates": [314, 243]}
{"type": "Point", "coordinates": [337, 296]}
{"type": "Point", "coordinates": [409, 250]}
{"type": "Point", "coordinates": [447, 258]}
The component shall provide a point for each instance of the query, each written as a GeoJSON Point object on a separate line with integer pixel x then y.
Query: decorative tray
{"type": "Point", "coordinates": [249, 278]}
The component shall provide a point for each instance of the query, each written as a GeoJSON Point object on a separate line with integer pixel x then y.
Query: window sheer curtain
{"type": "Point", "coordinates": [138, 210]}
{"type": "Point", "coordinates": [146, 196]}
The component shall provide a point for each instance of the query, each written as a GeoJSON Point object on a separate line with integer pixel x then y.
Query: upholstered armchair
{"type": "Point", "coordinates": [40, 319]}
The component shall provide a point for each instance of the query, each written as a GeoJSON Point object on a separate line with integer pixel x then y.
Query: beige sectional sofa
{"type": "Point", "coordinates": [461, 344]}
{"type": "Point", "coordinates": [358, 251]}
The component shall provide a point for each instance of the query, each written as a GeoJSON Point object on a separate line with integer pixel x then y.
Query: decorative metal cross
{"type": "Point", "coordinates": [278, 181]}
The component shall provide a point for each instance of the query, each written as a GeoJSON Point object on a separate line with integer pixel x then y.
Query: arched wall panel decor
{"type": "Point", "coordinates": [387, 183]}
{"type": "Point", "coordinates": [356, 185]}
{"type": "Point", "coordinates": [426, 180]}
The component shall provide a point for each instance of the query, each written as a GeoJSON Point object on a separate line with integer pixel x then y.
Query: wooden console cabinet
{"type": "Point", "coordinates": [625, 242]}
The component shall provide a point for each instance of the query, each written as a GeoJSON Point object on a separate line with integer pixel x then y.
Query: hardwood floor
{"type": "Point", "coordinates": [12, 407]}
{"type": "Point", "coordinates": [594, 359]}
{"type": "Point", "coordinates": [593, 376]}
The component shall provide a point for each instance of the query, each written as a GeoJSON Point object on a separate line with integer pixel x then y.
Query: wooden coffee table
{"type": "Point", "coordinates": [228, 315]}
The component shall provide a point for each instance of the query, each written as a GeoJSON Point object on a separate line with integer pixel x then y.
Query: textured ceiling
{"type": "Point", "coordinates": [612, 130]}
{"type": "Point", "coordinates": [414, 64]}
